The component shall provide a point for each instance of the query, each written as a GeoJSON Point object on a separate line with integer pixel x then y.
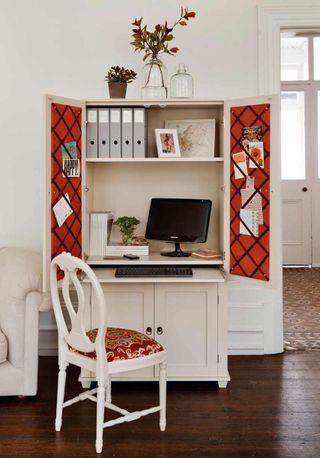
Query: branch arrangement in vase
{"type": "Point", "coordinates": [154, 43]}
{"type": "Point", "coordinates": [158, 41]}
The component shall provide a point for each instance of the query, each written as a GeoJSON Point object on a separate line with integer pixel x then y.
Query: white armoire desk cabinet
{"type": "Point", "coordinates": [187, 315]}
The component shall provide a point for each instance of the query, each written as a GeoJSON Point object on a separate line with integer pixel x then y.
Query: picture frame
{"type": "Point", "coordinates": [167, 143]}
{"type": "Point", "coordinates": [196, 136]}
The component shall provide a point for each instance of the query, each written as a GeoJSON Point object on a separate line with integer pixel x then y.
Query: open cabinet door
{"type": "Point", "coordinates": [252, 174]}
{"type": "Point", "coordinates": [64, 178]}
{"type": "Point", "coordinates": [253, 249]}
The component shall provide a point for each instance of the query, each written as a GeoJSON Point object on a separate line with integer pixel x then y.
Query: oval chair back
{"type": "Point", "coordinates": [76, 337]}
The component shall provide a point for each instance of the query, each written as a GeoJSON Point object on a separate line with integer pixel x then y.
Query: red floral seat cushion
{"type": "Point", "coordinates": [123, 344]}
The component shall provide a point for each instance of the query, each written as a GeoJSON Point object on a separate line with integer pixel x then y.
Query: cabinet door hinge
{"type": "Point", "coordinates": [218, 299]}
{"type": "Point", "coordinates": [218, 359]}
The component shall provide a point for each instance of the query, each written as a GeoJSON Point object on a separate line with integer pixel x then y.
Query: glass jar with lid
{"type": "Point", "coordinates": [181, 84]}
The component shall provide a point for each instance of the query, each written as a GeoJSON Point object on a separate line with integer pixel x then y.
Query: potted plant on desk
{"type": "Point", "coordinates": [118, 79]}
{"type": "Point", "coordinates": [127, 225]}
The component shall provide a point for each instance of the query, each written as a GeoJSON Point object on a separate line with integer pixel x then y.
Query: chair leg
{"type": "Point", "coordinates": [60, 395]}
{"type": "Point", "coordinates": [108, 391]}
{"type": "Point", "coordinates": [100, 417]}
{"type": "Point", "coordinates": [163, 395]}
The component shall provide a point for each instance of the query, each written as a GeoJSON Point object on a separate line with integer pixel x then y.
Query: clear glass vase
{"type": "Point", "coordinates": [154, 80]}
{"type": "Point", "coordinates": [181, 84]}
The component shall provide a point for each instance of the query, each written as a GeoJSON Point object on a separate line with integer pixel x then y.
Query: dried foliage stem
{"type": "Point", "coordinates": [157, 42]}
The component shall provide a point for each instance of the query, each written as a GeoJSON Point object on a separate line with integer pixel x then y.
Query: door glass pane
{"type": "Point", "coordinates": [316, 57]}
{"type": "Point", "coordinates": [294, 58]}
{"type": "Point", "coordinates": [292, 136]}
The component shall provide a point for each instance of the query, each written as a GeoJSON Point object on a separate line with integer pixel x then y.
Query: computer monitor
{"type": "Point", "coordinates": [179, 220]}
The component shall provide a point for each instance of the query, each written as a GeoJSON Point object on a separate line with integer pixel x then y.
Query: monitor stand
{"type": "Point", "coordinates": [178, 253]}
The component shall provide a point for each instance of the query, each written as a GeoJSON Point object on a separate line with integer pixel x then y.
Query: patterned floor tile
{"type": "Point", "coordinates": [301, 309]}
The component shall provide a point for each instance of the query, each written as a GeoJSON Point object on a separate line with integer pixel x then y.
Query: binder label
{"type": "Point", "coordinates": [138, 116]}
{"type": "Point", "coordinates": [127, 116]}
{"type": "Point", "coordinates": [103, 116]}
{"type": "Point", "coordinates": [92, 115]}
{"type": "Point", "coordinates": [115, 116]}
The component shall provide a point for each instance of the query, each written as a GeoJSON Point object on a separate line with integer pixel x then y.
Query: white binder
{"type": "Point", "coordinates": [115, 132]}
{"type": "Point", "coordinates": [139, 132]}
{"type": "Point", "coordinates": [92, 132]}
{"type": "Point", "coordinates": [126, 132]}
{"type": "Point", "coordinates": [103, 132]}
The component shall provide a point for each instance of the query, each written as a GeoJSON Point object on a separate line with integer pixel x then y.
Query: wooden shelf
{"type": "Point", "coordinates": [156, 159]}
{"type": "Point", "coordinates": [157, 103]}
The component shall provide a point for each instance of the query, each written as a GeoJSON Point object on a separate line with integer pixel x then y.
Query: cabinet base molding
{"type": "Point", "coordinates": [222, 380]}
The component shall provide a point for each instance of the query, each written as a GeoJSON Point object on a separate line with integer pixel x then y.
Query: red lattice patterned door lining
{"type": "Point", "coordinates": [66, 129]}
{"type": "Point", "coordinates": [249, 254]}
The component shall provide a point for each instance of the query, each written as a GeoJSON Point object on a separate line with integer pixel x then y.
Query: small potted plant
{"type": "Point", "coordinates": [127, 225]}
{"type": "Point", "coordinates": [118, 78]}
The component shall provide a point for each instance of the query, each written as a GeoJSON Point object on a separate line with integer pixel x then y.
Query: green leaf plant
{"type": "Point", "coordinates": [118, 74]}
{"type": "Point", "coordinates": [127, 226]}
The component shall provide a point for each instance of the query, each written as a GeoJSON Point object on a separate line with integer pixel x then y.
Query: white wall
{"type": "Point", "coordinates": [64, 47]}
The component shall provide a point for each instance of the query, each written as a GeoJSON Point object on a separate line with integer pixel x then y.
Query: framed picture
{"type": "Point", "coordinates": [167, 143]}
{"type": "Point", "coordinates": [196, 136]}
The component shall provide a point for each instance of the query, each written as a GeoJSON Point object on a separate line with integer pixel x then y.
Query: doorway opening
{"type": "Point", "coordinates": [300, 169]}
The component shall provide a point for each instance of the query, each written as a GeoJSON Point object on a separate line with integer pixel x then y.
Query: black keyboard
{"type": "Point", "coordinates": [153, 271]}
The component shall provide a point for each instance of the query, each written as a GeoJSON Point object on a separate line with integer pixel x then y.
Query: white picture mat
{"type": "Point", "coordinates": [172, 132]}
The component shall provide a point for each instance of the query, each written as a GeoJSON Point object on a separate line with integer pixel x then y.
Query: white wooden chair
{"type": "Point", "coordinates": [103, 351]}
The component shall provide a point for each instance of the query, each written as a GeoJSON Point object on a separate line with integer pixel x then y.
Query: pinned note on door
{"type": "Point", "coordinates": [251, 199]}
{"type": "Point", "coordinates": [62, 209]}
{"type": "Point", "coordinates": [249, 222]}
{"type": "Point", "coordinates": [240, 165]}
{"type": "Point", "coordinates": [70, 161]}
{"type": "Point", "coordinates": [71, 167]}
{"type": "Point", "coordinates": [257, 154]}
{"type": "Point", "coordinates": [69, 150]}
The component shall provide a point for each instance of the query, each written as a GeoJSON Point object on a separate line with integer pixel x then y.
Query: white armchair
{"type": "Point", "coordinates": [20, 302]}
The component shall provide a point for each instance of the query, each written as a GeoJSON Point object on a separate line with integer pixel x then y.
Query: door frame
{"type": "Point", "coordinates": [274, 15]}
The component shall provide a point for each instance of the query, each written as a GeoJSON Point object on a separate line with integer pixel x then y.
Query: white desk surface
{"type": "Point", "coordinates": [200, 275]}
{"type": "Point", "coordinates": [153, 258]}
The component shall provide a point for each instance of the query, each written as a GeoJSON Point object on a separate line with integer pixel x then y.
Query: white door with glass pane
{"type": "Point", "coordinates": [300, 84]}
{"type": "Point", "coordinates": [296, 186]}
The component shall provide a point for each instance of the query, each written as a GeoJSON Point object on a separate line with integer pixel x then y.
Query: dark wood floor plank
{"type": "Point", "coordinates": [270, 410]}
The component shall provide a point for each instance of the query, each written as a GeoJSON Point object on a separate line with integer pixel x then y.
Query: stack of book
{"type": "Point", "coordinates": [100, 230]}
{"type": "Point", "coordinates": [117, 249]}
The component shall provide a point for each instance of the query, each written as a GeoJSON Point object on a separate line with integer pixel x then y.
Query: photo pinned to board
{"type": "Point", "coordinates": [251, 134]}
{"type": "Point", "coordinates": [251, 141]}
{"type": "Point", "coordinates": [240, 165]}
{"type": "Point", "coordinates": [257, 154]}
{"type": "Point", "coordinates": [70, 161]}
